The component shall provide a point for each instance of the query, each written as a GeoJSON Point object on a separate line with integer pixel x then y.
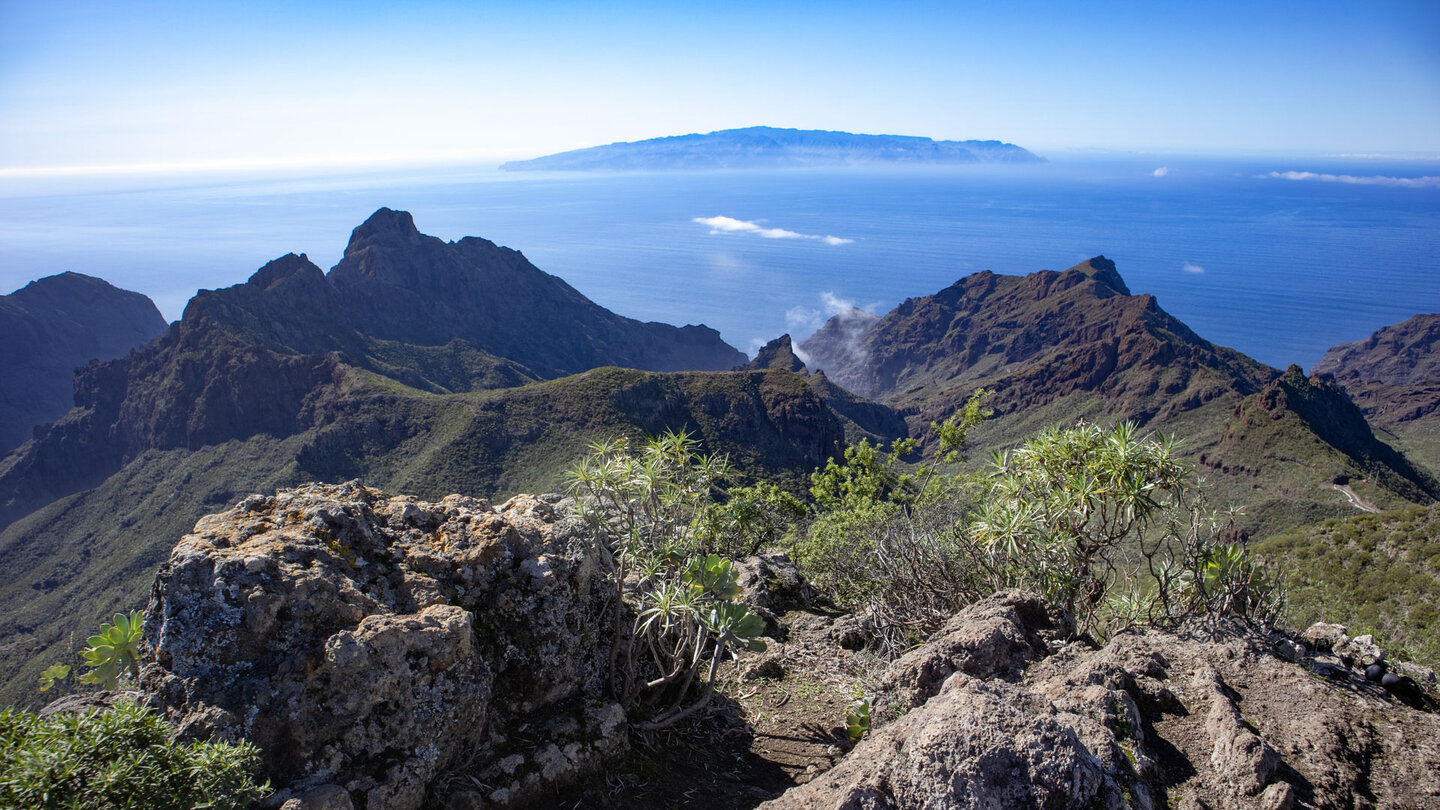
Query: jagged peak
{"type": "Point", "coordinates": [282, 268]}
{"type": "Point", "coordinates": [384, 223]}
{"type": "Point", "coordinates": [1103, 270]}
{"type": "Point", "coordinates": [778, 353]}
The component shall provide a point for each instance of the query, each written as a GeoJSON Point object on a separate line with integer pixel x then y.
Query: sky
{"type": "Point", "coordinates": [142, 85]}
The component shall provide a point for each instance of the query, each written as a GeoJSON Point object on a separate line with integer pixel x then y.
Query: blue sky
{"type": "Point", "coordinates": [292, 83]}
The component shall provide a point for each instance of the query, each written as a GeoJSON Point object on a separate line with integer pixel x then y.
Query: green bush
{"type": "Point", "coordinates": [1106, 524]}
{"type": "Point", "coordinates": [119, 758]}
{"type": "Point", "coordinates": [656, 519]}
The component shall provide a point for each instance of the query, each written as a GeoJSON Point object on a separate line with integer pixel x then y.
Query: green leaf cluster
{"type": "Point", "coordinates": [119, 758]}
{"type": "Point", "coordinates": [658, 516]}
{"type": "Point", "coordinates": [115, 650]}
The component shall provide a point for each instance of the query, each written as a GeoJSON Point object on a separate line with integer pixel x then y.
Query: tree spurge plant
{"type": "Point", "coordinates": [654, 512]}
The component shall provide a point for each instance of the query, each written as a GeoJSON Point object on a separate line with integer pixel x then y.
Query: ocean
{"type": "Point", "coordinates": [1280, 258]}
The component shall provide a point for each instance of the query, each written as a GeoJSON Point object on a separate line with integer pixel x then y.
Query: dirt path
{"type": "Point", "coordinates": [779, 723]}
{"type": "Point", "coordinates": [1355, 500]}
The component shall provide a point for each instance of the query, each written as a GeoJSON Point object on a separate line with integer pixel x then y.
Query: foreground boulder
{"type": "Point", "coordinates": [998, 710]}
{"type": "Point", "coordinates": [372, 644]}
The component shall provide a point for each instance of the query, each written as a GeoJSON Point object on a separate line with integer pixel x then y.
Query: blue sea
{"type": "Point", "coordinates": [1280, 258]}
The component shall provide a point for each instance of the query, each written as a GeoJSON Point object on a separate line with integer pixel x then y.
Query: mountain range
{"type": "Point", "coordinates": [430, 367]}
{"type": "Point", "coordinates": [770, 147]}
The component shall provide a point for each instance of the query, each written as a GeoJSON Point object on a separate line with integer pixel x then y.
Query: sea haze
{"type": "Point", "coordinates": [1278, 258]}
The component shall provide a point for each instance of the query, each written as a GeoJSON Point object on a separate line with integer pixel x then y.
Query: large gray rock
{"type": "Point", "coordinates": [370, 643]}
{"type": "Point", "coordinates": [999, 711]}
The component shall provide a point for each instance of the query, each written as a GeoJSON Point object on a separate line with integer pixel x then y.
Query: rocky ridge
{"type": "Point", "coordinates": [388, 652]}
{"type": "Point", "coordinates": [1054, 347]}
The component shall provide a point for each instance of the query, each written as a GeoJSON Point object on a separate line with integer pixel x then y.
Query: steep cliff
{"type": "Point", "coordinates": [1394, 376]}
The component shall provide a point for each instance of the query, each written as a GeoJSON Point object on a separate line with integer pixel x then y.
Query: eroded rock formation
{"type": "Point", "coordinates": [369, 643]}
{"type": "Point", "coordinates": [999, 710]}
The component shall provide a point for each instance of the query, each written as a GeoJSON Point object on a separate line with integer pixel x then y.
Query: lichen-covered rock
{"type": "Point", "coordinates": [994, 638]}
{"type": "Point", "coordinates": [772, 582]}
{"type": "Point", "coordinates": [999, 710]}
{"type": "Point", "coordinates": [370, 642]}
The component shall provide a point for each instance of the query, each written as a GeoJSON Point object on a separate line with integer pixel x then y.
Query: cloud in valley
{"type": "Point", "coordinates": [1363, 180]}
{"type": "Point", "coordinates": [852, 321]}
{"type": "Point", "coordinates": [1191, 267]}
{"type": "Point", "coordinates": [721, 225]}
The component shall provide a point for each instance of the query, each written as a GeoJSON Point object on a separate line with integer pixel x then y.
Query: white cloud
{"type": "Point", "coordinates": [1364, 180]}
{"type": "Point", "coordinates": [731, 225]}
{"type": "Point", "coordinates": [1191, 267]}
{"type": "Point", "coordinates": [1162, 171]}
{"type": "Point", "coordinates": [801, 318]}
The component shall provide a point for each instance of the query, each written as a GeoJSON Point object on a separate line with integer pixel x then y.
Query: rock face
{"type": "Point", "coordinates": [51, 326]}
{"type": "Point", "coordinates": [369, 643]}
{"type": "Point", "coordinates": [1405, 353]}
{"type": "Point", "coordinates": [1394, 377]}
{"type": "Point", "coordinates": [999, 711]}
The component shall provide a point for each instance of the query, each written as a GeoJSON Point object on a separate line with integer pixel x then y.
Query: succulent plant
{"type": "Point", "coordinates": [114, 650]}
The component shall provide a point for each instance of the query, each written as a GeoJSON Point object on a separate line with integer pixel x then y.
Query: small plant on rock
{"type": "Point", "coordinates": [857, 717]}
{"type": "Point", "coordinates": [114, 651]}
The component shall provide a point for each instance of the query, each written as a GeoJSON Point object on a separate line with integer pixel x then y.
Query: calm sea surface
{"type": "Point", "coordinates": [1279, 268]}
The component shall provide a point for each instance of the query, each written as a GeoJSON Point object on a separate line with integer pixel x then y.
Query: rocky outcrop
{"type": "Point", "coordinates": [369, 643]}
{"type": "Point", "coordinates": [49, 328]}
{"type": "Point", "coordinates": [1001, 709]}
{"type": "Point", "coordinates": [778, 353]}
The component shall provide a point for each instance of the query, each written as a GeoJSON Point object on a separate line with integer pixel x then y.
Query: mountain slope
{"type": "Point", "coordinates": [295, 376]}
{"type": "Point", "coordinates": [1056, 347]}
{"type": "Point", "coordinates": [769, 147]}
{"type": "Point", "coordinates": [396, 285]}
{"type": "Point", "coordinates": [1394, 376]}
{"type": "Point", "coordinates": [51, 326]}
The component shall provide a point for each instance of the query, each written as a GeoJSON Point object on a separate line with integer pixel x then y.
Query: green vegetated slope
{"type": "Point", "coordinates": [415, 365]}
{"type": "Point", "coordinates": [77, 560]}
{"type": "Point", "coordinates": [1372, 573]}
{"type": "Point", "coordinates": [1058, 347]}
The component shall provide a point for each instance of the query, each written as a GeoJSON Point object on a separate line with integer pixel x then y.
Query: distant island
{"type": "Point", "coordinates": [771, 148]}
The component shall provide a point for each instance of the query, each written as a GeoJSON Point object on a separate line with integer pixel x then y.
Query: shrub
{"type": "Point", "coordinates": [656, 521]}
{"type": "Point", "coordinates": [1104, 523]}
{"type": "Point", "coordinates": [119, 758]}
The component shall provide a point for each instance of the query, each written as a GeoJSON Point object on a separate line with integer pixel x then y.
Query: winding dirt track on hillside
{"type": "Point", "coordinates": [1355, 500]}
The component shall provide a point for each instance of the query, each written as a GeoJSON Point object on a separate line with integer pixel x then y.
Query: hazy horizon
{"type": "Point", "coordinates": [92, 86]}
